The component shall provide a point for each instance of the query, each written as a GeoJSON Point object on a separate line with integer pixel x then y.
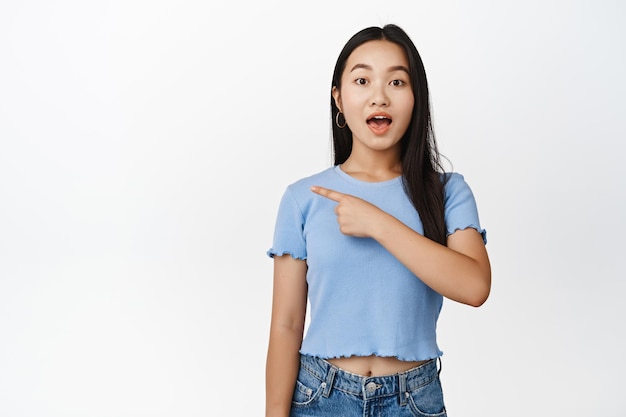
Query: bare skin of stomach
{"type": "Point", "coordinates": [374, 365]}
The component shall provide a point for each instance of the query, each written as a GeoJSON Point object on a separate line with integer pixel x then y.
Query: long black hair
{"type": "Point", "coordinates": [422, 171]}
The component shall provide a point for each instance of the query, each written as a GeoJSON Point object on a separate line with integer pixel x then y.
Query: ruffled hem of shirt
{"type": "Point", "coordinates": [374, 353]}
{"type": "Point", "coordinates": [482, 232]}
{"type": "Point", "coordinates": [271, 253]}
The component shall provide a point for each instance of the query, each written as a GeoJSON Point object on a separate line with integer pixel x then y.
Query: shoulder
{"type": "Point", "coordinates": [457, 192]}
{"type": "Point", "coordinates": [453, 178]}
{"type": "Point", "coordinates": [298, 200]}
{"type": "Point", "coordinates": [303, 185]}
{"type": "Point", "coordinates": [454, 183]}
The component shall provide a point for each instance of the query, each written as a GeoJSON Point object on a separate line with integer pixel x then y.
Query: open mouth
{"type": "Point", "coordinates": [379, 122]}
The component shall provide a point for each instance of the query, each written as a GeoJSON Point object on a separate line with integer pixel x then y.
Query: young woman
{"type": "Point", "coordinates": [375, 243]}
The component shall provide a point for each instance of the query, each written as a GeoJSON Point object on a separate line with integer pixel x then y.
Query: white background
{"type": "Point", "coordinates": [144, 147]}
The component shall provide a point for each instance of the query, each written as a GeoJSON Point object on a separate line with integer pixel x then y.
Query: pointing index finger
{"type": "Point", "coordinates": [328, 193]}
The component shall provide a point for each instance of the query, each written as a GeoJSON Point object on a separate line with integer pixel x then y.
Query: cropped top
{"type": "Point", "coordinates": [362, 300]}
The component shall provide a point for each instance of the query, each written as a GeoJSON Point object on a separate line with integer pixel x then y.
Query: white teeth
{"type": "Point", "coordinates": [380, 117]}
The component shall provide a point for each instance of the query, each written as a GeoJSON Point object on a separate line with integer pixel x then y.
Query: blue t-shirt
{"type": "Point", "coordinates": [362, 300]}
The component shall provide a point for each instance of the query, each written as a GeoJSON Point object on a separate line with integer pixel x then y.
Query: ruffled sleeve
{"type": "Point", "coordinates": [289, 229]}
{"type": "Point", "coordinates": [460, 206]}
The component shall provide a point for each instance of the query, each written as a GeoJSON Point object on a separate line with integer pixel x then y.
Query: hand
{"type": "Point", "coordinates": [356, 217]}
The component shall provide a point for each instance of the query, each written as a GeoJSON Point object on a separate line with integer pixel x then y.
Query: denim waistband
{"type": "Point", "coordinates": [366, 387]}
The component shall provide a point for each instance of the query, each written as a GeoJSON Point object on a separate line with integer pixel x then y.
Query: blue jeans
{"type": "Point", "coordinates": [322, 389]}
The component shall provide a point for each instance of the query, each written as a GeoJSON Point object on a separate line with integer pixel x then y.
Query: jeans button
{"type": "Point", "coordinates": [371, 387]}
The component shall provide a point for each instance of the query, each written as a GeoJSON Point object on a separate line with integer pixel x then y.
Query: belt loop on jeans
{"type": "Point", "coordinates": [328, 384]}
{"type": "Point", "coordinates": [402, 383]}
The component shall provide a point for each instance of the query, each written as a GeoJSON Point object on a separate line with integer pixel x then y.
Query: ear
{"type": "Point", "coordinates": [337, 96]}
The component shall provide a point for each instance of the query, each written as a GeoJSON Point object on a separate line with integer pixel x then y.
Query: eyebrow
{"type": "Point", "coordinates": [390, 69]}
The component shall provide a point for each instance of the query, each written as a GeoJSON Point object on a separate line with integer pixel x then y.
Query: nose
{"type": "Point", "coordinates": [379, 97]}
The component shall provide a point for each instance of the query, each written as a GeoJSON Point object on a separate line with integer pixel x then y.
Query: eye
{"type": "Point", "coordinates": [361, 81]}
{"type": "Point", "coordinates": [397, 83]}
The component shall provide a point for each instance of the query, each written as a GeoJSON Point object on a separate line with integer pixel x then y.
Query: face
{"type": "Point", "coordinates": [376, 97]}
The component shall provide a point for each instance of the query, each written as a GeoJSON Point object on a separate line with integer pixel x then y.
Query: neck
{"type": "Point", "coordinates": [373, 165]}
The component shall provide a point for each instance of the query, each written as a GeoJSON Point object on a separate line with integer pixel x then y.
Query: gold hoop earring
{"type": "Point", "coordinates": [340, 126]}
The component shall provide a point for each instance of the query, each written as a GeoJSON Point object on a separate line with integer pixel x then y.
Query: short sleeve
{"type": "Point", "coordinates": [289, 229]}
{"type": "Point", "coordinates": [460, 206]}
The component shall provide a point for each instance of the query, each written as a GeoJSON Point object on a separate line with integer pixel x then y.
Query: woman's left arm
{"type": "Point", "coordinates": [459, 271]}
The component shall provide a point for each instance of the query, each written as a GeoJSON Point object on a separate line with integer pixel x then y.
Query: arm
{"type": "Point", "coordinates": [459, 271]}
{"type": "Point", "coordinates": [286, 331]}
